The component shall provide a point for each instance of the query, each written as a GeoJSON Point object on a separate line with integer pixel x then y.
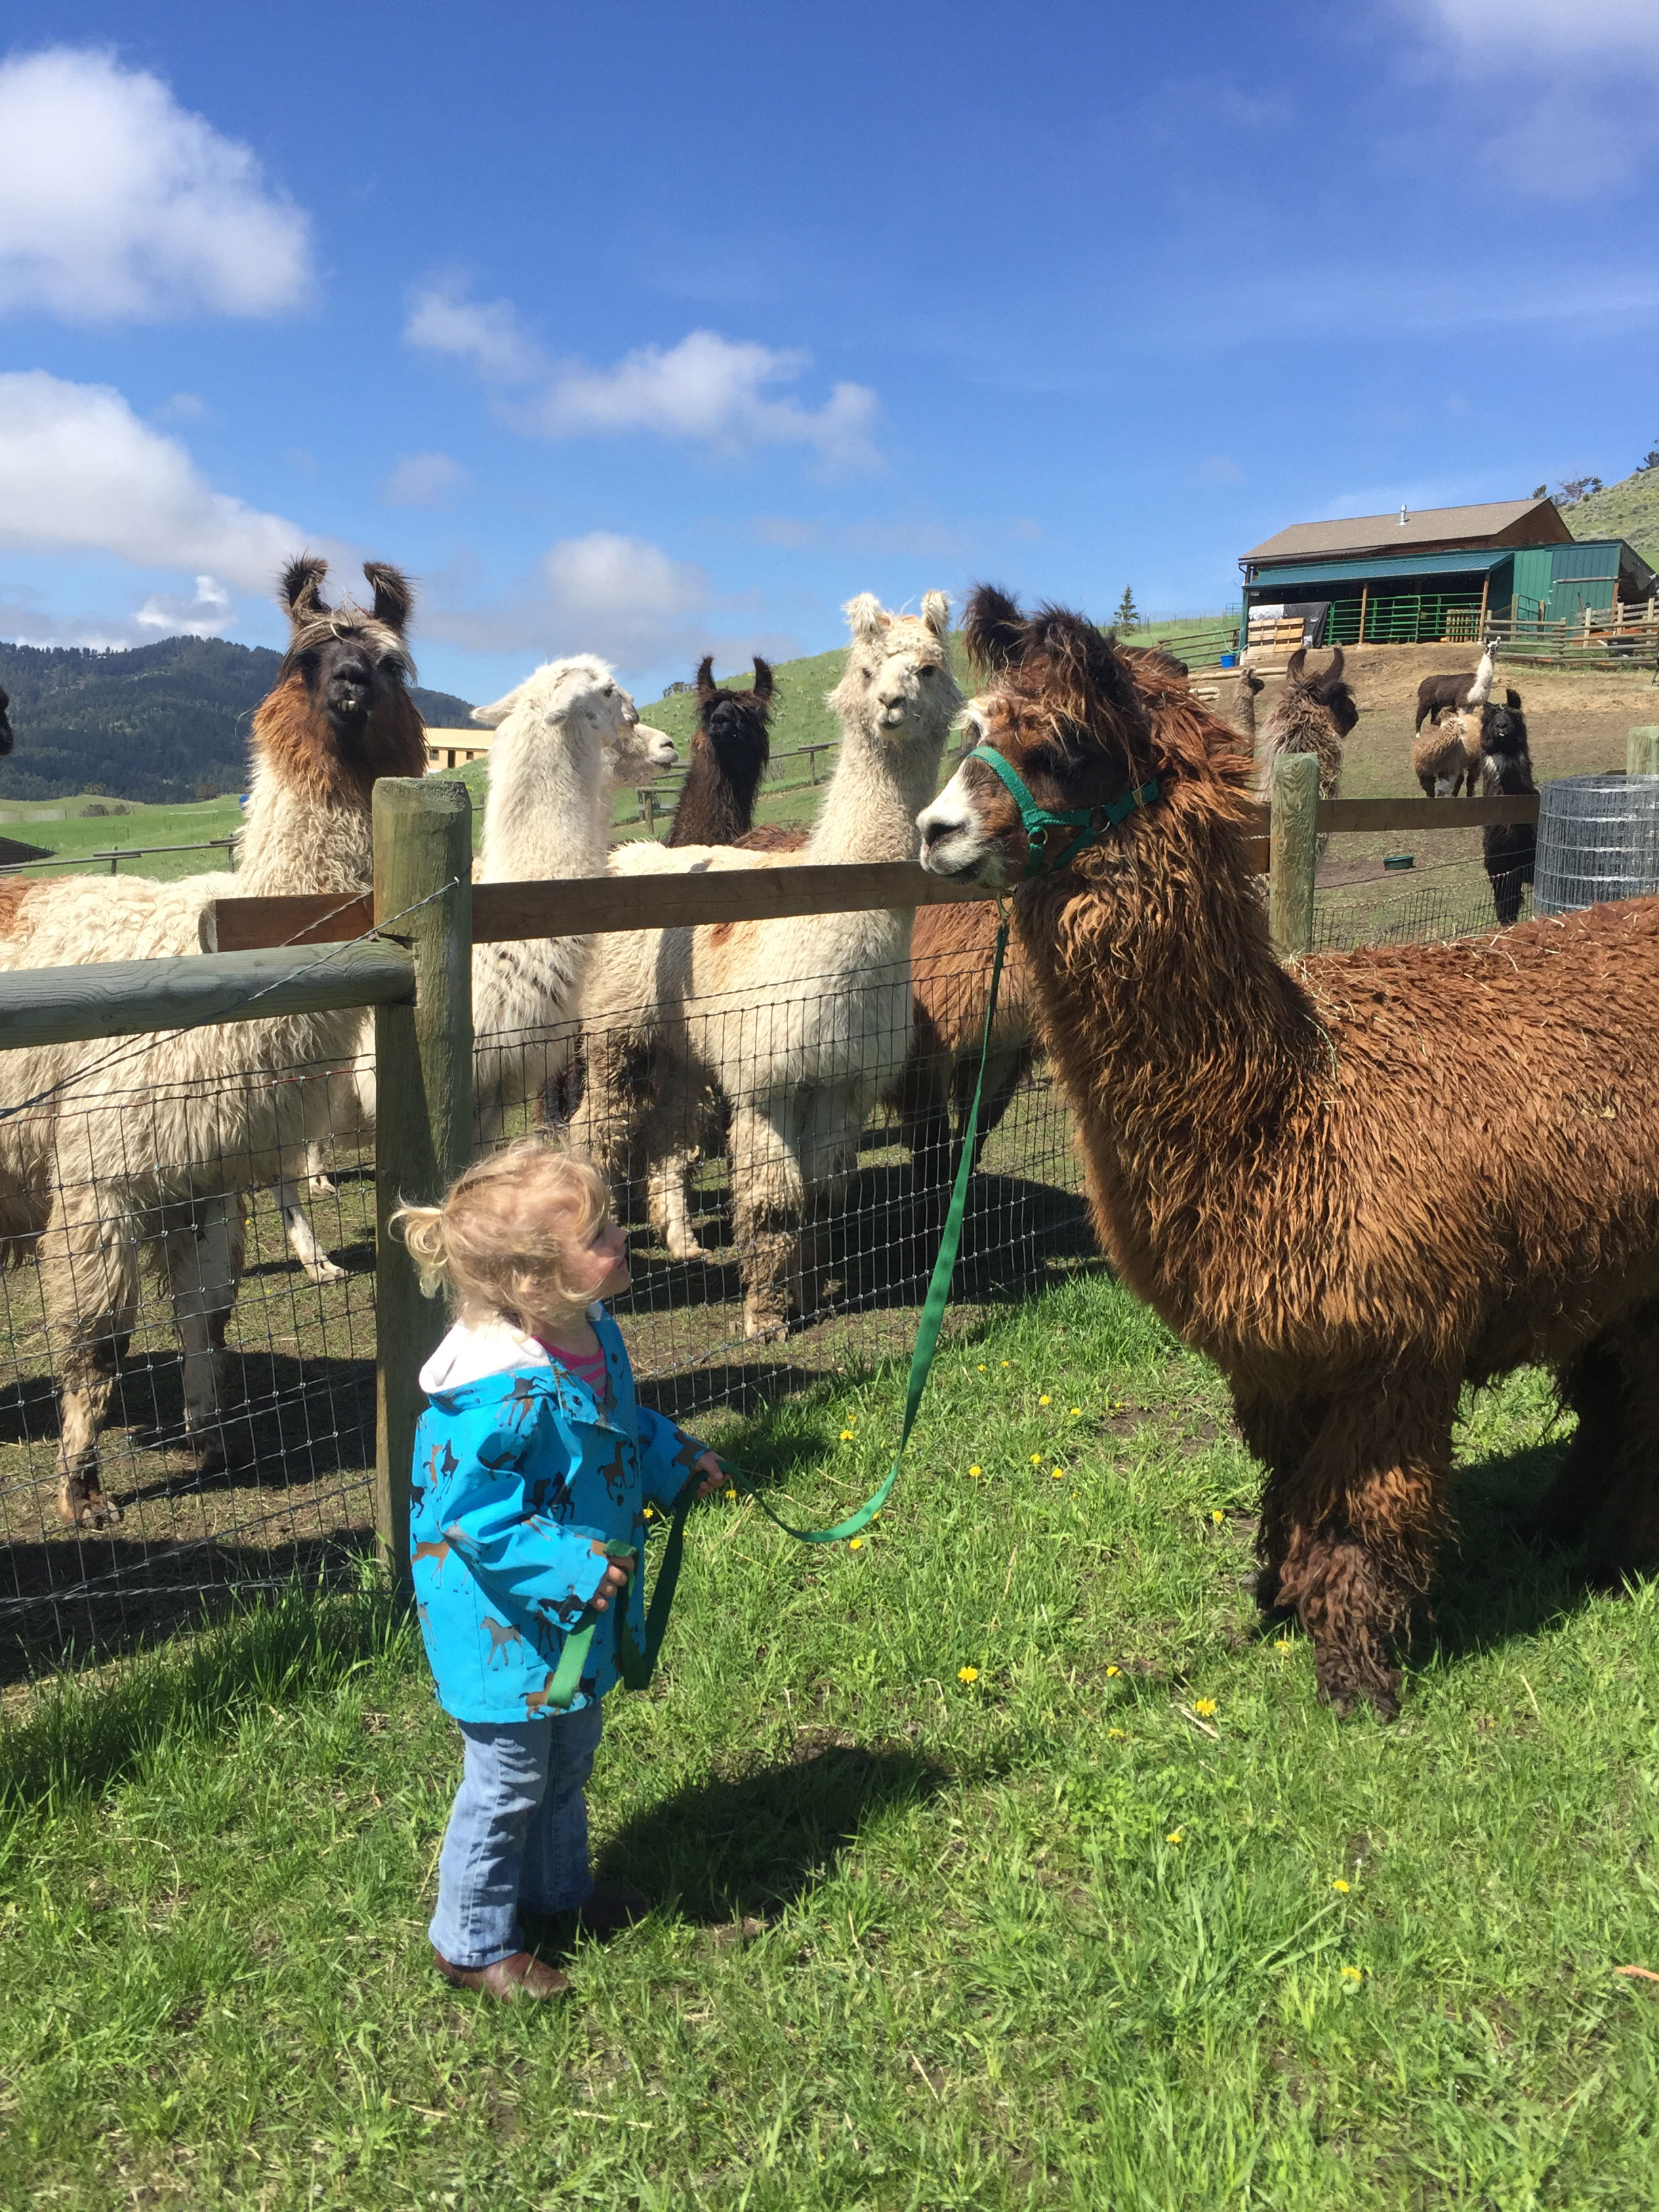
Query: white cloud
{"type": "Point", "coordinates": [80, 473]}
{"type": "Point", "coordinates": [117, 204]}
{"type": "Point", "coordinates": [1501, 38]}
{"type": "Point", "coordinates": [622, 598]}
{"type": "Point", "coordinates": [423, 480]}
{"type": "Point", "coordinates": [708, 390]}
{"type": "Point", "coordinates": [206, 616]}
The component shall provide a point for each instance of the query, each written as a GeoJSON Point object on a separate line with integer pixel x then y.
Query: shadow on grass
{"type": "Point", "coordinates": [83, 1736]}
{"type": "Point", "coordinates": [756, 1843]}
{"type": "Point", "coordinates": [1495, 1585]}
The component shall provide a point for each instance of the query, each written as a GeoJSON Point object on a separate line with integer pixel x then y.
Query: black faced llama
{"type": "Point", "coordinates": [1508, 849]}
{"type": "Point", "coordinates": [729, 752]}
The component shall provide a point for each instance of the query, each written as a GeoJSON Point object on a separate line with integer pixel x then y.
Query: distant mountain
{"type": "Point", "coordinates": [158, 723]}
{"type": "Point", "coordinates": [1628, 509]}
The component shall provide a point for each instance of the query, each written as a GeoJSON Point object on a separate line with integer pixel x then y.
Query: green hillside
{"type": "Point", "coordinates": [1629, 510]}
{"type": "Point", "coordinates": [162, 723]}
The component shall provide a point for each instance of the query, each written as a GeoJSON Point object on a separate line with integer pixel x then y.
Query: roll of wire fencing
{"type": "Point", "coordinates": [1598, 838]}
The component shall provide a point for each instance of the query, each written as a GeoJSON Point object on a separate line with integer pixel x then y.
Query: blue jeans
{"type": "Point", "coordinates": [518, 1830]}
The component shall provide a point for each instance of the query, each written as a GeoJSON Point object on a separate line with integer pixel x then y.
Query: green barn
{"type": "Point", "coordinates": [1441, 573]}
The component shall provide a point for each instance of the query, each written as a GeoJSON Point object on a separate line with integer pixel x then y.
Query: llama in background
{"type": "Point", "coordinates": [1436, 694]}
{"type": "Point", "coordinates": [1315, 715]}
{"type": "Point", "coordinates": [140, 1158]}
{"type": "Point", "coordinates": [1509, 850]}
{"type": "Point", "coordinates": [797, 1025]}
{"type": "Point", "coordinates": [1282, 1160]}
{"type": "Point", "coordinates": [729, 753]}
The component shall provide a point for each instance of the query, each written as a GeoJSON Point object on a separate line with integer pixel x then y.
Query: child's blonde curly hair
{"type": "Point", "coordinates": [489, 1254]}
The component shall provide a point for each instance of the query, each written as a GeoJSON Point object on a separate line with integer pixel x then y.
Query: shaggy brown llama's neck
{"type": "Point", "coordinates": [1180, 1039]}
{"type": "Point", "coordinates": [717, 800]}
{"type": "Point", "coordinates": [307, 824]}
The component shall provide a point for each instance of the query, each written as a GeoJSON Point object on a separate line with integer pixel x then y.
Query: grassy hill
{"type": "Point", "coordinates": [1629, 510]}
{"type": "Point", "coordinates": [156, 724]}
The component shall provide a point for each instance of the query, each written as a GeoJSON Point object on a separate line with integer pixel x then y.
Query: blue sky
{"type": "Point", "coordinates": [656, 329]}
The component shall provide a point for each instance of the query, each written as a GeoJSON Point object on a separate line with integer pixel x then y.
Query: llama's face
{"type": "Point", "coordinates": [635, 754]}
{"type": "Point", "coordinates": [575, 704]}
{"type": "Point", "coordinates": [897, 680]}
{"type": "Point", "coordinates": [350, 673]}
{"type": "Point", "coordinates": [1065, 713]}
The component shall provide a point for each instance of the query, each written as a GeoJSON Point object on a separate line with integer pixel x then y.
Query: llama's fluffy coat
{"type": "Point", "coordinates": [1357, 1183]}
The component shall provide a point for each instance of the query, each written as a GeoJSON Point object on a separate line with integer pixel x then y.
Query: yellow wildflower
{"type": "Point", "coordinates": [847, 1435]}
{"type": "Point", "coordinates": [976, 1472]}
{"type": "Point", "coordinates": [1117, 1732]}
{"type": "Point", "coordinates": [1353, 1973]}
{"type": "Point", "coordinates": [1174, 1836]}
{"type": "Point", "coordinates": [1217, 1515]}
{"type": "Point", "coordinates": [857, 1544]}
{"type": "Point", "coordinates": [731, 1497]}
{"type": "Point", "coordinates": [1036, 1459]}
{"type": "Point", "coordinates": [1076, 1410]}
{"type": "Point", "coordinates": [967, 1674]}
{"type": "Point", "coordinates": [1057, 1473]}
{"type": "Point", "coordinates": [1338, 1884]}
{"type": "Point", "coordinates": [1204, 1707]}
{"type": "Point", "coordinates": [1283, 1645]}
{"type": "Point", "coordinates": [1007, 1363]}
{"type": "Point", "coordinates": [982, 1367]}
{"type": "Point", "coordinates": [1114, 1670]}
{"type": "Point", "coordinates": [1045, 1400]}
{"type": "Point", "coordinates": [650, 1513]}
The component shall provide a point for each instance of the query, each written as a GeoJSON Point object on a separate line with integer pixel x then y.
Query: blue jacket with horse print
{"type": "Point", "coordinates": [522, 1479]}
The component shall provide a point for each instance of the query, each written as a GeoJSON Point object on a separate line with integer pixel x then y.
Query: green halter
{"type": "Point", "coordinates": [1091, 822]}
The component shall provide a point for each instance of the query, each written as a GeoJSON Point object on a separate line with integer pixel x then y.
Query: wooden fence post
{"type": "Point", "coordinates": [1292, 852]}
{"type": "Point", "coordinates": [424, 1103]}
{"type": "Point", "coordinates": [1642, 750]}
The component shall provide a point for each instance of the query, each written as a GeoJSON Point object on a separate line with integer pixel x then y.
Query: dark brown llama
{"type": "Point", "coordinates": [1357, 1183]}
{"type": "Point", "coordinates": [1509, 850]}
{"type": "Point", "coordinates": [1436, 694]}
{"type": "Point", "coordinates": [729, 752]}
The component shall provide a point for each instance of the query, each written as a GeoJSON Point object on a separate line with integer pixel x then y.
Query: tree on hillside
{"type": "Point", "coordinates": [1575, 489]}
{"type": "Point", "coordinates": [1128, 614]}
{"type": "Point", "coordinates": [1541, 489]}
{"type": "Point", "coordinates": [1649, 461]}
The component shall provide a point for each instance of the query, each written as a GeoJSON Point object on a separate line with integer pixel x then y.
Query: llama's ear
{"type": "Point", "coordinates": [1333, 673]}
{"type": "Point", "coordinates": [1295, 665]}
{"type": "Point", "coordinates": [394, 599]}
{"type": "Point", "coordinates": [936, 613]}
{"type": "Point", "coordinates": [300, 590]}
{"type": "Point", "coordinates": [1512, 699]}
{"type": "Point", "coordinates": [492, 717]}
{"type": "Point", "coordinates": [864, 617]}
{"type": "Point", "coordinates": [762, 679]}
{"type": "Point", "coordinates": [706, 687]}
{"type": "Point", "coordinates": [992, 627]}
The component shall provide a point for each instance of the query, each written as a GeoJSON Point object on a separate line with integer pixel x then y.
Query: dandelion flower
{"type": "Point", "coordinates": [847, 1435]}
{"type": "Point", "coordinates": [1204, 1707]}
{"type": "Point", "coordinates": [1174, 1835]}
{"type": "Point", "coordinates": [1007, 1363]}
{"type": "Point", "coordinates": [1283, 1645]}
{"type": "Point", "coordinates": [1353, 1973]}
{"type": "Point", "coordinates": [1119, 1733]}
{"type": "Point", "coordinates": [1036, 1459]}
{"type": "Point", "coordinates": [731, 1497]}
{"type": "Point", "coordinates": [1076, 1410]}
{"type": "Point", "coordinates": [1114, 1670]}
{"type": "Point", "coordinates": [976, 1472]}
{"type": "Point", "coordinates": [650, 1513]}
{"type": "Point", "coordinates": [967, 1674]}
{"type": "Point", "coordinates": [1045, 1400]}
{"type": "Point", "coordinates": [857, 1544]}
{"type": "Point", "coordinates": [982, 1367]}
{"type": "Point", "coordinates": [1217, 1515]}
{"type": "Point", "coordinates": [1341, 1885]}
{"type": "Point", "coordinates": [1057, 1473]}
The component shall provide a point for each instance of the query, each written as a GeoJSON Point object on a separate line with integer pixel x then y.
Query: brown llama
{"type": "Point", "coordinates": [1509, 850]}
{"type": "Point", "coordinates": [729, 752]}
{"type": "Point", "coordinates": [1315, 715]}
{"type": "Point", "coordinates": [1356, 1182]}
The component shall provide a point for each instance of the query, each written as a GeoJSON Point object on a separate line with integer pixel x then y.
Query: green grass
{"type": "Point", "coordinates": [921, 1942]}
{"type": "Point", "coordinates": [63, 826]}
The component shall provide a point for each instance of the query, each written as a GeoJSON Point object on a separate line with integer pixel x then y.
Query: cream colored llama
{"type": "Point", "coordinates": [139, 1153]}
{"type": "Point", "coordinates": [798, 1024]}
{"type": "Point", "coordinates": [542, 791]}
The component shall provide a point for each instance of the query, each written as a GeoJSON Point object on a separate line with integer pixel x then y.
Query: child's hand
{"type": "Point", "coordinates": [614, 1578]}
{"type": "Point", "coordinates": [708, 1467]}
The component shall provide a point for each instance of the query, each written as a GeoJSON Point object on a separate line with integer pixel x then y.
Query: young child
{"type": "Point", "coordinates": [533, 1468]}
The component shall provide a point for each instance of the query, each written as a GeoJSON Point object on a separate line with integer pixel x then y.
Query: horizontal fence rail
{"type": "Point", "coordinates": [597, 906]}
{"type": "Point", "coordinates": [115, 854]}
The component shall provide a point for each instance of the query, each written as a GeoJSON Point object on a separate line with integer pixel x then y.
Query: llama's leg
{"type": "Point", "coordinates": [1593, 1384]}
{"type": "Point", "coordinates": [668, 1201]}
{"type": "Point", "coordinates": [1280, 1436]}
{"type": "Point", "coordinates": [89, 1287]}
{"type": "Point", "coordinates": [203, 1264]}
{"type": "Point", "coordinates": [766, 1210]}
{"type": "Point", "coordinates": [302, 1239]}
{"type": "Point", "coordinates": [1357, 1528]}
{"type": "Point", "coordinates": [1003, 1074]}
{"type": "Point", "coordinates": [1610, 1483]}
{"type": "Point", "coordinates": [924, 1124]}
{"type": "Point", "coordinates": [318, 1180]}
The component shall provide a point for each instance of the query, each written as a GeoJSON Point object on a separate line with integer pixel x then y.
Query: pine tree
{"type": "Point", "coordinates": [1128, 614]}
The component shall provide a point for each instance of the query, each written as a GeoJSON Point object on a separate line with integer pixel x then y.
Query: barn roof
{"type": "Point", "coordinates": [1507, 522]}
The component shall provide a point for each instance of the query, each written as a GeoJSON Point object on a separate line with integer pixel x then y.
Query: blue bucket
{"type": "Point", "coordinates": [1229, 660]}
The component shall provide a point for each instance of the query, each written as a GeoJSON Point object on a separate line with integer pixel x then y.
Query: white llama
{"type": "Point", "coordinates": [141, 1152]}
{"type": "Point", "coordinates": [798, 1024]}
